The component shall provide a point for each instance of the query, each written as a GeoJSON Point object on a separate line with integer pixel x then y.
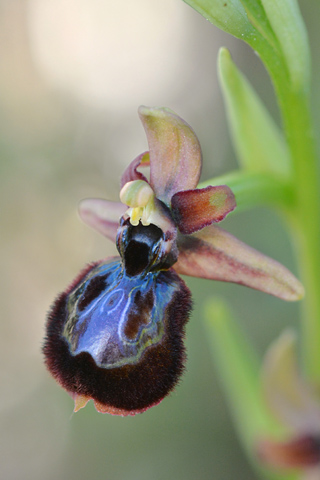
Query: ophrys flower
{"type": "Point", "coordinates": [116, 334]}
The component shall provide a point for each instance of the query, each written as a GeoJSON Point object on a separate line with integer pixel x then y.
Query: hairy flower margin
{"type": "Point", "coordinates": [116, 334]}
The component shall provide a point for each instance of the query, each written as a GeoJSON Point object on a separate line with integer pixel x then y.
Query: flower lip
{"type": "Point", "coordinates": [154, 347]}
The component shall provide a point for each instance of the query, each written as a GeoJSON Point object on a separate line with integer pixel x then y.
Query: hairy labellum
{"type": "Point", "coordinates": [117, 337]}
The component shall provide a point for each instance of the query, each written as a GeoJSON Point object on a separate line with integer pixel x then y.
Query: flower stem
{"type": "Point", "coordinates": [305, 213]}
{"type": "Point", "coordinates": [305, 221]}
{"type": "Point", "coordinates": [299, 197]}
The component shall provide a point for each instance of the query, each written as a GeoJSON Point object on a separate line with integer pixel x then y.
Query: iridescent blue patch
{"type": "Point", "coordinates": [115, 335]}
{"type": "Point", "coordinates": [115, 317]}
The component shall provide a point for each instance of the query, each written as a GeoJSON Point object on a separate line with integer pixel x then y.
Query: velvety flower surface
{"type": "Point", "coordinates": [116, 334]}
{"type": "Point", "coordinates": [297, 406]}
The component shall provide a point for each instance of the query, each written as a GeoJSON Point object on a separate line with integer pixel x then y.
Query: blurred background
{"type": "Point", "coordinates": [73, 73]}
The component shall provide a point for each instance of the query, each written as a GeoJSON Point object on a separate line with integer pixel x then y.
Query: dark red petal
{"type": "Point", "coordinates": [131, 173]}
{"type": "Point", "coordinates": [298, 453]}
{"type": "Point", "coordinates": [196, 209]}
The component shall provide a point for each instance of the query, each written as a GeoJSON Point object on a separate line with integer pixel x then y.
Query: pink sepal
{"type": "Point", "coordinates": [215, 254]}
{"type": "Point", "coordinates": [102, 215]}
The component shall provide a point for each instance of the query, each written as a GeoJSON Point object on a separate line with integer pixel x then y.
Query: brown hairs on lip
{"type": "Point", "coordinates": [130, 388]}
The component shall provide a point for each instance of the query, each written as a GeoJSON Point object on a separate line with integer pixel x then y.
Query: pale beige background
{"type": "Point", "coordinates": [72, 74]}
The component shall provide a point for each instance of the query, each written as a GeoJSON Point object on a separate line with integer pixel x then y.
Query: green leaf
{"type": "Point", "coordinates": [260, 21]}
{"type": "Point", "coordinates": [239, 371]}
{"type": "Point", "coordinates": [287, 23]}
{"type": "Point", "coordinates": [229, 15]}
{"type": "Point", "coordinates": [256, 138]}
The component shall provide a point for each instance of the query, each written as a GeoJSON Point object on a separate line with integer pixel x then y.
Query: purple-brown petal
{"type": "Point", "coordinates": [131, 173]}
{"type": "Point", "coordinates": [301, 452]}
{"type": "Point", "coordinates": [196, 209]}
{"type": "Point", "coordinates": [175, 153]}
{"type": "Point", "coordinates": [215, 254]}
{"type": "Point", "coordinates": [102, 215]}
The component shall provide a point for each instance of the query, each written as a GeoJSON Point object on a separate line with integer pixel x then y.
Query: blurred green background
{"type": "Point", "coordinates": [73, 73]}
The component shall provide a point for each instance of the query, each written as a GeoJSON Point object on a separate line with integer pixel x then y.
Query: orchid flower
{"type": "Point", "coordinates": [295, 403]}
{"type": "Point", "coordinates": [116, 334]}
{"type": "Point", "coordinates": [205, 250]}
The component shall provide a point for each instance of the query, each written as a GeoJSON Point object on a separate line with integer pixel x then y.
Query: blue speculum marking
{"type": "Point", "coordinates": [115, 317]}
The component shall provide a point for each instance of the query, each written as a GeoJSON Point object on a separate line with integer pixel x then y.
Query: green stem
{"type": "Point", "coordinates": [305, 214]}
{"type": "Point", "coordinates": [293, 96]}
{"type": "Point", "coordinates": [305, 222]}
{"type": "Point", "coordinates": [304, 211]}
